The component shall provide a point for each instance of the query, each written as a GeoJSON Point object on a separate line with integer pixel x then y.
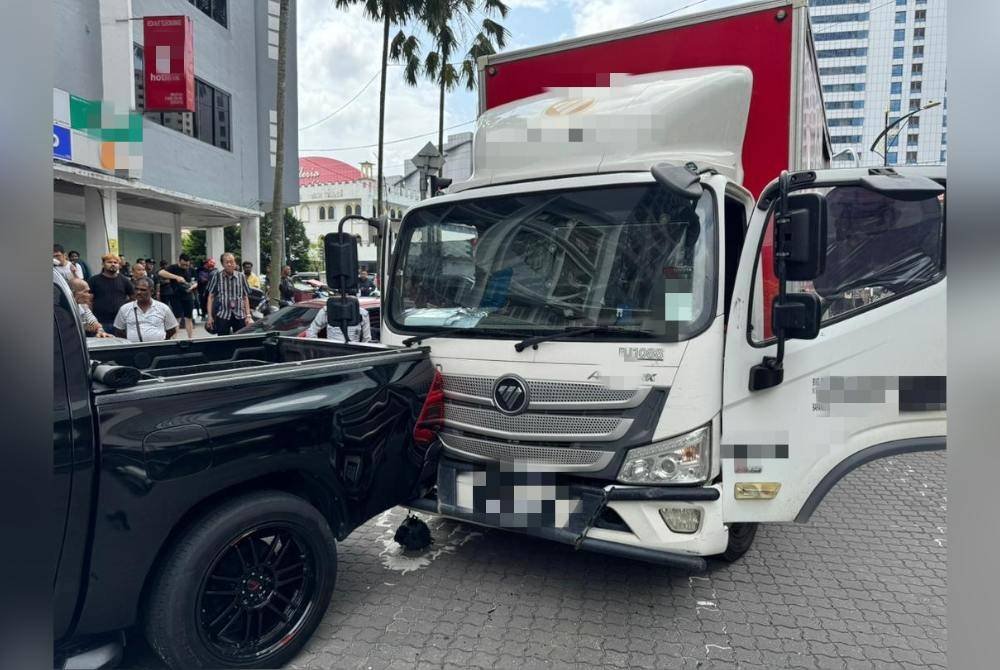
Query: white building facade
{"type": "Point", "coordinates": [210, 168]}
{"type": "Point", "coordinates": [330, 189]}
{"type": "Point", "coordinates": [877, 57]}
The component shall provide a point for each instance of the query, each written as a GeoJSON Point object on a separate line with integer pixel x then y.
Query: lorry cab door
{"type": "Point", "coordinates": [872, 382]}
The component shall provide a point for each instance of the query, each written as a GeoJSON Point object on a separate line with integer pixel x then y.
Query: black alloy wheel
{"type": "Point", "coordinates": [257, 593]}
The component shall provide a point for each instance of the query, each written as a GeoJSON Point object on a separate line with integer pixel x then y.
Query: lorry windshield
{"type": "Point", "coordinates": [633, 256]}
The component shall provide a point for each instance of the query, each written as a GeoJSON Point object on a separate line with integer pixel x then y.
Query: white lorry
{"type": "Point", "coordinates": [639, 357]}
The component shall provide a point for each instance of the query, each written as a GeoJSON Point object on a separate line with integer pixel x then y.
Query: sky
{"type": "Point", "coordinates": [339, 53]}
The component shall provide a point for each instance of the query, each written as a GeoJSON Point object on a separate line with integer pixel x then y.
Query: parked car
{"type": "Point", "coordinates": [295, 318]}
{"type": "Point", "coordinates": [201, 486]}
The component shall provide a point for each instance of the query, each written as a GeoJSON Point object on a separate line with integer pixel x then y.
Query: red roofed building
{"type": "Point", "coordinates": [330, 189]}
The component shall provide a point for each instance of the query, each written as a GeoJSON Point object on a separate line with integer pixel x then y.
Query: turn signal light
{"type": "Point", "coordinates": [757, 490]}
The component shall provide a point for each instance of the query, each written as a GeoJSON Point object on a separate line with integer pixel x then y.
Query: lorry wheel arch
{"type": "Point", "coordinates": [294, 482]}
{"type": "Point", "coordinates": [863, 457]}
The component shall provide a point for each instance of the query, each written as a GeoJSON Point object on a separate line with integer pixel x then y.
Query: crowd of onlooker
{"type": "Point", "coordinates": [148, 301]}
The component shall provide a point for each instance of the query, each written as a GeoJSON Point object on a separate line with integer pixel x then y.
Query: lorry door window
{"type": "Point", "coordinates": [878, 249]}
{"type": "Point", "coordinates": [634, 257]}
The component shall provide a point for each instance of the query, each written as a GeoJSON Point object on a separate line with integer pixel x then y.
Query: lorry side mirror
{"type": "Point", "coordinates": [678, 180]}
{"type": "Point", "coordinates": [344, 310]}
{"type": "Point", "coordinates": [798, 316]}
{"type": "Point", "coordinates": [341, 253]}
{"type": "Point", "coordinates": [803, 238]}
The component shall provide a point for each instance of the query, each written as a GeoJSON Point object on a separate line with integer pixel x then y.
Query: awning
{"type": "Point", "coordinates": [198, 212]}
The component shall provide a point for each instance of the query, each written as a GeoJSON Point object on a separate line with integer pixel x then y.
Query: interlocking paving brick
{"type": "Point", "coordinates": [863, 584]}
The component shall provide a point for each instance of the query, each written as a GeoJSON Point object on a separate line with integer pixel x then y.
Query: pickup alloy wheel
{"type": "Point", "coordinates": [245, 586]}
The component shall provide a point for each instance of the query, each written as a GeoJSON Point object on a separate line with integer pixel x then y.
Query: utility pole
{"type": "Point", "coordinates": [277, 211]}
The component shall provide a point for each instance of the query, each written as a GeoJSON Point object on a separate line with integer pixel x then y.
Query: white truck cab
{"type": "Point", "coordinates": [633, 360]}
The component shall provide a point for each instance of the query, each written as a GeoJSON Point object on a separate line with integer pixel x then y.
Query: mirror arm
{"type": "Point", "coordinates": [770, 372]}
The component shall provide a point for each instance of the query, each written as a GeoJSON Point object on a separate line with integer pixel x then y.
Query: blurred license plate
{"type": "Point", "coordinates": [516, 499]}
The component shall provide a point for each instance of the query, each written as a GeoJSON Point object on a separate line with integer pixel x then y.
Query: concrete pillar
{"type": "Point", "coordinates": [101, 224]}
{"type": "Point", "coordinates": [175, 239]}
{"type": "Point", "coordinates": [215, 243]}
{"type": "Point", "coordinates": [116, 53]}
{"type": "Point", "coordinates": [250, 242]}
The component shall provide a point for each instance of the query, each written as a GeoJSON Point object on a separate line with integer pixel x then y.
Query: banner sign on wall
{"type": "Point", "coordinates": [168, 63]}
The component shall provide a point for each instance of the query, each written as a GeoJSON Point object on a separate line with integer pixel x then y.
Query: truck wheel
{"type": "Point", "coordinates": [245, 586]}
{"type": "Point", "coordinates": [741, 536]}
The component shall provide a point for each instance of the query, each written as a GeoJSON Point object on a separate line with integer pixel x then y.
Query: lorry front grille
{"type": "Point", "coordinates": [547, 394]}
{"type": "Point", "coordinates": [538, 427]}
{"type": "Point", "coordinates": [539, 457]}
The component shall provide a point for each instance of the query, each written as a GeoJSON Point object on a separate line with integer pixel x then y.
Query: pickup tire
{"type": "Point", "coordinates": [245, 586]}
{"type": "Point", "coordinates": [741, 537]}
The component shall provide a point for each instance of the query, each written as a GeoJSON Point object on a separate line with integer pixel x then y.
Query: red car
{"type": "Point", "coordinates": [294, 319]}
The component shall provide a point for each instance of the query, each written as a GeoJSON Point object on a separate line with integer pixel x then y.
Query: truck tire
{"type": "Point", "coordinates": [741, 536]}
{"type": "Point", "coordinates": [245, 586]}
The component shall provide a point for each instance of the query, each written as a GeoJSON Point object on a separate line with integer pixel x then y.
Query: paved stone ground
{"type": "Point", "coordinates": [862, 585]}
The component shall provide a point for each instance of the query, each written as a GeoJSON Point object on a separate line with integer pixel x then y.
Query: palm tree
{"type": "Point", "coordinates": [278, 229]}
{"type": "Point", "coordinates": [449, 23]}
{"type": "Point", "coordinates": [389, 13]}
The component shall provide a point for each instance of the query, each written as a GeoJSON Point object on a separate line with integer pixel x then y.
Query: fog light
{"type": "Point", "coordinates": [756, 490]}
{"type": "Point", "coordinates": [682, 519]}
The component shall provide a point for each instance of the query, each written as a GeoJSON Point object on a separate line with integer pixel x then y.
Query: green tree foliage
{"type": "Point", "coordinates": [296, 243]}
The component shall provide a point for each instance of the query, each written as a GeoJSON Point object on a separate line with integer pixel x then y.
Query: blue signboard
{"type": "Point", "coordinates": [61, 143]}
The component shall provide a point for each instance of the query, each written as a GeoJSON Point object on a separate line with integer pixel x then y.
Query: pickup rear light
{"type": "Point", "coordinates": [431, 414]}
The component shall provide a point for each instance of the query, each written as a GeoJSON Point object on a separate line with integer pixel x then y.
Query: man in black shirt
{"type": "Point", "coordinates": [111, 291]}
{"type": "Point", "coordinates": [286, 288]}
{"type": "Point", "coordinates": [177, 290]}
{"type": "Point", "coordinates": [365, 284]}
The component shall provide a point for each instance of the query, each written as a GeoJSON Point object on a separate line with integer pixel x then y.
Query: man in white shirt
{"type": "Point", "coordinates": [61, 263]}
{"type": "Point", "coordinates": [145, 319]}
{"type": "Point", "coordinates": [359, 333]}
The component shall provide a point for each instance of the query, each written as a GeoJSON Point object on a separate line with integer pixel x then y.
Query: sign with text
{"type": "Point", "coordinates": [168, 62]}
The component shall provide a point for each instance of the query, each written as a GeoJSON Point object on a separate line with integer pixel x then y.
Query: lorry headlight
{"type": "Point", "coordinates": [679, 460]}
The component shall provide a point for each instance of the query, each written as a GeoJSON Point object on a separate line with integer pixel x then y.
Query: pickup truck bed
{"type": "Point", "coordinates": [224, 447]}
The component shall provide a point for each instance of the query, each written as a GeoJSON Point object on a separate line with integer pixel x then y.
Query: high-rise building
{"type": "Point", "coordinates": [879, 58]}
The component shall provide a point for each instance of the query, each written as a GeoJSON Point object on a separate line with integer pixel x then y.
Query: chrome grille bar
{"type": "Point", "coordinates": [539, 458]}
{"type": "Point", "coordinates": [537, 427]}
{"type": "Point", "coordinates": [545, 394]}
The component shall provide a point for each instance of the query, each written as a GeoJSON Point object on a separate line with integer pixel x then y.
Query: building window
{"type": "Point", "coordinates": [917, 69]}
{"type": "Point", "coordinates": [842, 35]}
{"type": "Point", "coordinates": [892, 157]}
{"type": "Point", "coordinates": [842, 53]}
{"type": "Point", "coordinates": [918, 33]}
{"type": "Point", "coordinates": [944, 121]}
{"type": "Point", "coordinates": [216, 9]}
{"type": "Point", "coordinates": [901, 3]}
{"type": "Point", "coordinates": [841, 88]}
{"type": "Point", "coordinates": [900, 17]}
{"type": "Point", "coordinates": [912, 140]}
{"type": "Point", "coordinates": [897, 70]}
{"type": "Point", "coordinates": [914, 122]}
{"type": "Point", "coordinates": [840, 18]}
{"type": "Point", "coordinates": [834, 123]}
{"type": "Point", "coordinates": [920, 15]}
{"type": "Point", "coordinates": [349, 211]}
{"type": "Point", "coordinates": [845, 139]}
{"type": "Point", "coordinates": [918, 51]}
{"type": "Point", "coordinates": [944, 138]}
{"type": "Point", "coordinates": [211, 121]}
{"type": "Point", "coordinates": [943, 157]}
{"type": "Point", "coordinates": [899, 35]}
{"type": "Point", "coordinates": [911, 156]}
{"type": "Point", "coordinates": [843, 69]}
{"type": "Point", "coordinates": [894, 105]}
{"type": "Point", "coordinates": [846, 104]}
{"type": "Point", "coordinates": [914, 103]}
{"type": "Point", "coordinates": [322, 213]}
{"type": "Point", "coordinates": [915, 86]}
{"type": "Point", "coordinates": [896, 87]}
{"type": "Point", "coordinates": [897, 52]}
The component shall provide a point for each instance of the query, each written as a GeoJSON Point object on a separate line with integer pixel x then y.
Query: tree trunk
{"type": "Point", "coordinates": [441, 121]}
{"type": "Point", "coordinates": [277, 211]}
{"type": "Point", "coordinates": [381, 112]}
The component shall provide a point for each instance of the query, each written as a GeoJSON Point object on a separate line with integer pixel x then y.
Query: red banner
{"type": "Point", "coordinates": [168, 55]}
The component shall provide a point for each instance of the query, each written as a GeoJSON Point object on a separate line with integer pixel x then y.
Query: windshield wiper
{"type": "Point", "coordinates": [574, 332]}
{"type": "Point", "coordinates": [417, 339]}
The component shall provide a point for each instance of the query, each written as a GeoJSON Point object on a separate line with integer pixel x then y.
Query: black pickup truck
{"type": "Point", "coordinates": [201, 486]}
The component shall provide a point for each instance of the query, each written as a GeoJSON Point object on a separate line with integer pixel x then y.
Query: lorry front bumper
{"type": "Point", "coordinates": [554, 507]}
